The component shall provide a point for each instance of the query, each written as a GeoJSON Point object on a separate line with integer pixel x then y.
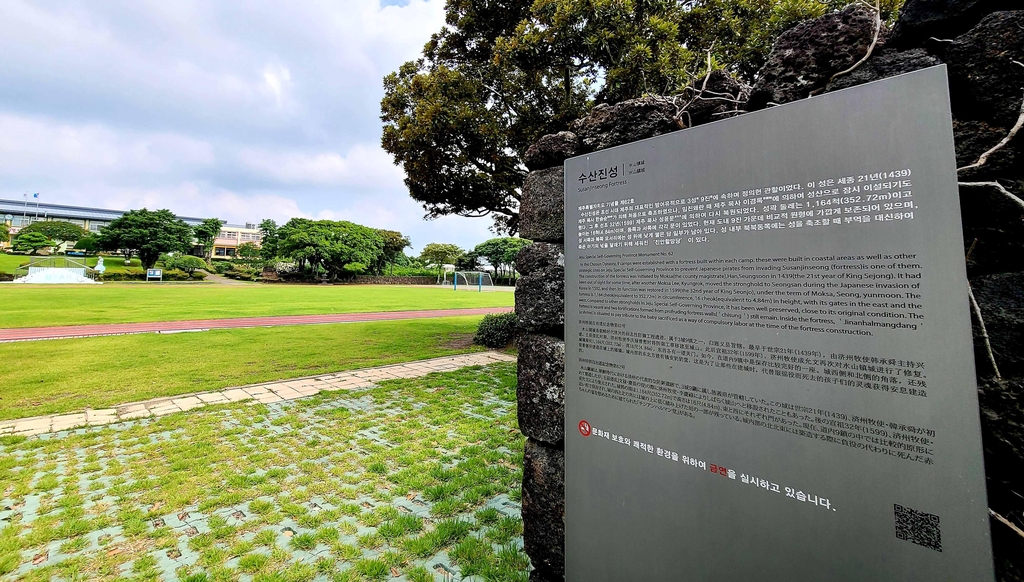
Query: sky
{"type": "Point", "coordinates": [238, 109]}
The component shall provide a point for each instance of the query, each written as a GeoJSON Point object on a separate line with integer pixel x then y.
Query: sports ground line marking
{"type": "Point", "coordinates": [22, 334]}
{"type": "Point", "coordinates": [265, 393]}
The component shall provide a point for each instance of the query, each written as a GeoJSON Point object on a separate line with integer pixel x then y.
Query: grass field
{"type": "Point", "coordinates": [418, 479]}
{"type": "Point", "coordinates": [41, 305]}
{"type": "Point", "coordinates": [67, 375]}
{"type": "Point", "coordinates": [9, 263]}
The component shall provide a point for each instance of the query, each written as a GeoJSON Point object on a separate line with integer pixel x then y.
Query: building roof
{"type": "Point", "coordinates": [18, 207]}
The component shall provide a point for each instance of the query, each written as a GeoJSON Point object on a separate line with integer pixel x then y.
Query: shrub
{"type": "Point", "coordinates": [353, 269]}
{"type": "Point", "coordinates": [496, 331]}
{"type": "Point", "coordinates": [126, 275]}
{"type": "Point", "coordinates": [186, 263]}
{"type": "Point", "coordinates": [222, 266]}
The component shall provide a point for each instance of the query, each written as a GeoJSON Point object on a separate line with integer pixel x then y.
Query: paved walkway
{"type": "Point", "coordinates": [69, 331]}
{"type": "Point", "coordinates": [265, 393]}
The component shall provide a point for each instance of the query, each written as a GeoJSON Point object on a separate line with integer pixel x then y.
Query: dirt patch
{"type": "Point", "coordinates": [459, 341]}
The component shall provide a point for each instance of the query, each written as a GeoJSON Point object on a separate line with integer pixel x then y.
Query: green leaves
{"type": "Point", "coordinates": [148, 234]}
{"type": "Point", "coordinates": [57, 230]}
{"type": "Point", "coordinates": [330, 245]}
{"type": "Point", "coordinates": [31, 242]}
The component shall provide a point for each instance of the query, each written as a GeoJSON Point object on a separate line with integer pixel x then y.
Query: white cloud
{"type": "Point", "coordinates": [236, 109]}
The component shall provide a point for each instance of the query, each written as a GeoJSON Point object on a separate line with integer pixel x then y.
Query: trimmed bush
{"type": "Point", "coordinates": [496, 331]}
{"type": "Point", "coordinates": [222, 266]}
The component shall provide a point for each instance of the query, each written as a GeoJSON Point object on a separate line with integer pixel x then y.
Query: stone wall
{"type": "Point", "coordinates": [982, 45]}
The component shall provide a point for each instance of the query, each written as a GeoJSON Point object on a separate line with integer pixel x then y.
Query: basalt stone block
{"type": "Point", "coordinates": [984, 82]}
{"type": "Point", "coordinates": [551, 150]}
{"type": "Point", "coordinates": [541, 387]}
{"type": "Point", "coordinates": [921, 20]}
{"type": "Point", "coordinates": [973, 138]}
{"type": "Point", "coordinates": [540, 256]}
{"type": "Point", "coordinates": [720, 97]}
{"type": "Point", "coordinates": [806, 56]}
{"type": "Point", "coordinates": [611, 125]}
{"type": "Point", "coordinates": [544, 509]}
{"type": "Point", "coordinates": [541, 209]}
{"type": "Point", "coordinates": [993, 229]}
{"type": "Point", "coordinates": [540, 290]}
{"type": "Point", "coordinates": [540, 304]}
{"type": "Point", "coordinates": [1001, 299]}
{"type": "Point", "coordinates": [887, 63]}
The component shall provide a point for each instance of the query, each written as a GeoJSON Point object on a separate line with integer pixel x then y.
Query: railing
{"type": "Point", "coordinates": [58, 262]}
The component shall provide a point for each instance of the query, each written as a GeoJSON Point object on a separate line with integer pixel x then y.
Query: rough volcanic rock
{"type": "Point", "coordinates": [540, 290]}
{"type": "Point", "coordinates": [920, 20]}
{"type": "Point", "coordinates": [541, 210]}
{"type": "Point", "coordinates": [994, 225]}
{"type": "Point", "coordinates": [551, 150]}
{"type": "Point", "coordinates": [612, 125]}
{"type": "Point", "coordinates": [721, 97]}
{"type": "Point", "coordinates": [541, 388]}
{"type": "Point", "coordinates": [985, 83]}
{"type": "Point", "coordinates": [540, 256]}
{"type": "Point", "coordinates": [973, 138]}
{"type": "Point", "coordinates": [1001, 299]}
{"type": "Point", "coordinates": [887, 63]}
{"type": "Point", "coordinates": [806, 56]}
{"type": "Point", "coordinates": [544, 509]}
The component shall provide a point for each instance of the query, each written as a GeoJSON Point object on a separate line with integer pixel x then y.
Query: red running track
{"type": "Point", "coordinates": [42, 333]}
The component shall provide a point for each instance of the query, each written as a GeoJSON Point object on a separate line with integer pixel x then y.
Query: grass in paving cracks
{"type": "Point", "coordinates": [345, 485]}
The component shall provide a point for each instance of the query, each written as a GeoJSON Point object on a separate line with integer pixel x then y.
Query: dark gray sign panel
{"type": "Point", "coordinates": [769, 371]}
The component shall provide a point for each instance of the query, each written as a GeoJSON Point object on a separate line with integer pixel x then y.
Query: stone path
{"type": "Point", "coordinates": [263, 393]}
{"type": "Point", "coordinates": [70, 331]}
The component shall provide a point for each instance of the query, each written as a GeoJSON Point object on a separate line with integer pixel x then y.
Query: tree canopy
{"type": "Point", "coordinates": [57, 230]}
{"type": "Point", "coordinates": [31, 241]}
{"type": "Point", "coordinates": [394, 245]}
{"type": "Point", "coordinates": [500, 74]}
{"type": "Point", "coordinates": [146, 233]}
{"type": "Point", "coordinates": [501, 253]}
{"type": "Point", "coordinates": [438, 255]}
{"type": "Point", "coordinates": [328, 246]}
{"type": "Point", "coordinates": [5, 232]}
{"type": "Point", "coordinates": [269, 240]}
{"type": "Point", "coordinates": [205, 233]}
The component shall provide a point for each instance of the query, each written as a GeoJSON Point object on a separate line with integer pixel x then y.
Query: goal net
{"type": "Point", "coordinates": [472, 279]}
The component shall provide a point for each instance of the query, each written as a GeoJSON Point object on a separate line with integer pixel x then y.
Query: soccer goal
{"type": "Point", "coordinates": [470, 279]}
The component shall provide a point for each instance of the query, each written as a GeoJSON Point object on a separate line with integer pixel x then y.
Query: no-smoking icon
{"type": "Point", "coordinates": [584, 428]}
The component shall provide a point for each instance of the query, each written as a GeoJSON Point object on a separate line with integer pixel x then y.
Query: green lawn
{"type": "Point", "coordinates": [39, 305]}
{"type": "Point", "coordinates": [350, 486]}
{"type": "Point", "coordinates": [9, 263]}
{"type": "Point", "coordinates": [56, 376]}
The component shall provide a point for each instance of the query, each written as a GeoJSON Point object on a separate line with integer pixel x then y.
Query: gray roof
{"type": "Point", "coordinates": [17, 207]}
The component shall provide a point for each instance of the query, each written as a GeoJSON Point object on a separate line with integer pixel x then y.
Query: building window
{"type": "Point", "coordinates": [228, 234]}
{"type": "Point", "coordinates": [231, 252]}
{"type": "Point", "coordinates": [218, 251]}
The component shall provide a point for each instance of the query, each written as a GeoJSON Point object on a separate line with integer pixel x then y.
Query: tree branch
{"type": "Point", "coordinates": [984, 332]}
{"type": "Point", "coordinates": [997, 186]}
{"type": "Point", "coordinates": [1006, 522]}
{"type": "Point", "coordinates": [1013, 132]}
{"type": "Point", "coordinates": [871, 48]}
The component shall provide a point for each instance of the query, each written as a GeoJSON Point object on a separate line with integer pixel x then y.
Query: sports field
{"type": "Point", "coordinates": [38, 305]}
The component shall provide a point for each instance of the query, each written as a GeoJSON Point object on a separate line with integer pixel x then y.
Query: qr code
{"type": "Point", "coordinates": [918, 527]}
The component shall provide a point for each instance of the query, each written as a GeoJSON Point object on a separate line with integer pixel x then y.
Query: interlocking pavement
{"type": "Point", "coordinates": [264, 393]}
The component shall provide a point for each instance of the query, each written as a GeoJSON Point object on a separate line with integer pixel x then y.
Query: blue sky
{"type": "Point", "coordinates": [237, 109]}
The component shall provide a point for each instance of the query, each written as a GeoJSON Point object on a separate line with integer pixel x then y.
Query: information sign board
{"type": "Point", "coordinates": [769, 366]}
{"type": "Point", "coordinates": [157, 274]}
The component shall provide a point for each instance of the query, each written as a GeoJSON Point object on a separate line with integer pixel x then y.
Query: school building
{"type": "Point", "coordinates": [18, 214]}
